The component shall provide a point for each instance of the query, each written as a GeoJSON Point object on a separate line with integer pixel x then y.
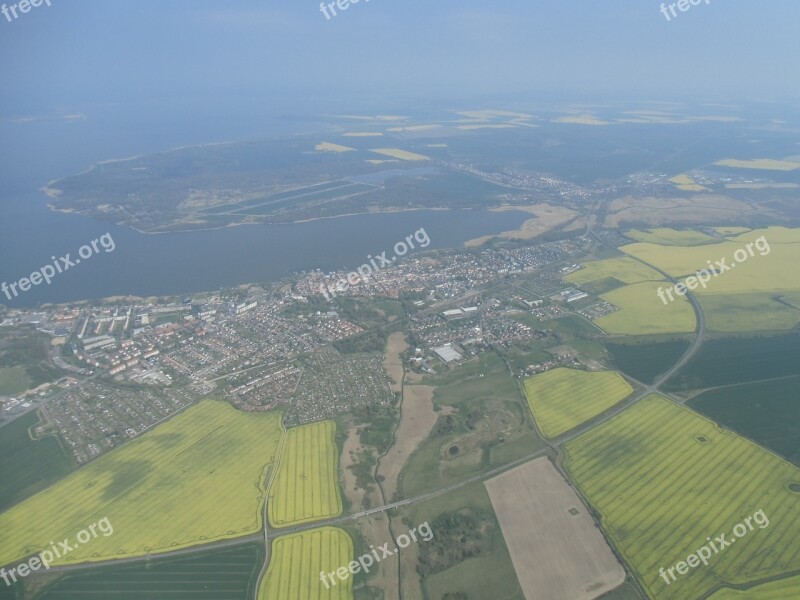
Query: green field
{"type": "Point", "coordinates": [196, 478]}
{"type": "Point", "coordinates": [297, 560]}
{"type": "Point", "coordinates": [758, 311]}
{"type": "Point", "coordinates": [783, 589]}
{"type": "Point", "coordinates": [26, 465]}
{"type": "Point", "coordinates": [14, 380]}
{"type": "Point", "coordinates": [480, 569]}
{"type": "Point", "coordinates": [645, 361]}
{"type": "Point", "coordinates": [563, 398]}
{"type": "Point", "coordinates": [642, 312]}
{"type": "Point", "coordinates": [664, 479]}
{"type": "Point", "coordinates": [739, 360]}
{"type": "Point", "coordinates": [489, 424]}
{"type": "Point", "coordinates": [228, 574]}
{"type": "Point", "coordinates": [670, 237]}
{"type": "Point", "coordinates": [626, 270]}
{"type": "Point", "coordinates": [766, 412]}
{"type": "Point", "coordinates": [306, 487]}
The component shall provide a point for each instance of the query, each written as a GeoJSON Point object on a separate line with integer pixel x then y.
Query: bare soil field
{"type": "Point", "coordinates": [417, 419]}
{"type": "Point", "coordinates": [557, 550]}
{"type": "Point", "coordinates": [393, 362]}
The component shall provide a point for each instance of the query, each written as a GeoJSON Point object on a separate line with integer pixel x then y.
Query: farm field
{"type": "Point", "coordinates": [739, 360]}
{"type": "Point", "coordinates": [642, 312]}
{"type": "Point", "coordinates": [228, 574]}
{"type": "Point", "coordinates": [783, 589]}
{"type": "Point", "coordinates": [740, 313]}
{"type": "Point", "coordinates": [562, 399]}
{"type": "Point", "coordinates": [401, 154]}
{"type": "Point", "coordinates": [687, 184]}
{"type": "Point", "coordinates": [671, 237]}
{"type": "Point", "coordinates": [764, 164]}
{"type": "Point", "coordinates": [297, 560]}
{"type": "Point", "coordinates": [306, 486]}
{"type": "Point", "coordinates": [645, 361]}
{"type": "Point", "coordinates": [26, 465]}
{"type": "Point", "coordinates": [767, 270]}
{"type": "Point", "coordinates": [557, 551]}
{"type": "Point", "coordinates": [766, 412]}
{"type": "Point", "coordinates": [331, 147]}
{"type": "Point", "coordinates": [626, 270]}
{"type": "Point", "coordinates": [196, 478]}
{"type": "Point", "coordinates": [664, 478]}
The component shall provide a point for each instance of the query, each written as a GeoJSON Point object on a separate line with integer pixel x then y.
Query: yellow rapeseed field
{"type": "Point", "coordinates": [306, 487]}
{"type": "Point", "coordinates": [297, 560]}
{"type": "Point", "coordinates": [196, 478]}
{"type": "Point", "coordinates": [563, 398]}
{"type": "Point", "coordinates": [666, 479]}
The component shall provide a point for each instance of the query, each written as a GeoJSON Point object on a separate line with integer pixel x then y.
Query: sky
{"type": "Point", "coordinates": [101, 51]}
{"type": "Point", "coordinates": [86, 80]}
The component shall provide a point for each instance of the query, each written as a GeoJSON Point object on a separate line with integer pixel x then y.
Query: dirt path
{"type": "Point", "coordinates": [374, 529]}
{"type": "Point", "coordinates": [417, 419]}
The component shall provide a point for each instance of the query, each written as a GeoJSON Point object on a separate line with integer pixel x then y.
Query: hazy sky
{"type": "Point", "coordinates": [113, 51]}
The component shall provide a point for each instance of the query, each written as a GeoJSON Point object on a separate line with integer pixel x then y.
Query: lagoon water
{"type": "Point", "coordinates": [38, 150]}
{"type": "Point", "coordinates": [179, 263]}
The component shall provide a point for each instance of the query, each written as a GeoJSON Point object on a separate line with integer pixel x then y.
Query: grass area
{"type": "Point", "coordinates": [664, 478]}
{"type": "Point", "coordinates": [227, 574]}
{"type": "Point", "coordinates": [766, 412]}
{"type": "Point", "coordinates": [627, 591]}
{"type": "Point", "coordinates": [686, 183]}
{"type": "Point", "coordinates": [759, 311]}
{"type": "Point", "coordinates": [401, 154]}
{"type": "Point", "coordinates": [14, 380]}
{"type": "Point", "coordinates": [306, 487]}
{"type": "Point", "coordinates": [483, 423]}
{"type": "Point", "coordinates": [739, 360]}
{"type": "Point", "coordinates": [731, 231]}
{"type": "Point", "coordinates": [196, 478]}
{"type": "Point", "coordinates": [489, 573]}
{"type": "Point", "coordinates": [563, 398]}
{"type": "Point", "coordinates": [645, 361]}
{"type": "Point", "coordinates": [626, 269]}
{"type": "Point", "coordinates": [671, 237]}
{"type": "Point", "coordinates": [27, 465]}
{"type": "Point", "coordinates": [25, 352]}
{"type": "Point", "coordinates": [297, 560]}
{"type": "Point", "coordinates": [783, 589]}
{"type": "Point", "coordinates": [641, 312]}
